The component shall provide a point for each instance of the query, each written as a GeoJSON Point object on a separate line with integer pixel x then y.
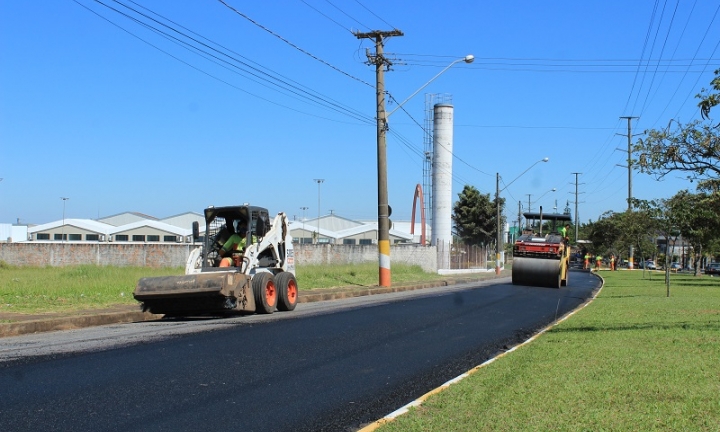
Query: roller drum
{"type": "Point", "coordinates": [536, 272]}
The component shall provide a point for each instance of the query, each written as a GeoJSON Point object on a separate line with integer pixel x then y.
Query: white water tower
{"type": "Point", "coordinates": [442, 181]}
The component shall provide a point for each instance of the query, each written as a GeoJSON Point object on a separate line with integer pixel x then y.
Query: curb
{"type": "Point", "coordinates": [71, 322]}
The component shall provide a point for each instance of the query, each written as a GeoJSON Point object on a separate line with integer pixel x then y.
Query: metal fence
{"type": "Point", "coordinates": [457, 256]}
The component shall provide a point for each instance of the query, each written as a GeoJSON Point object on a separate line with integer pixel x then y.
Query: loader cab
{"type": "Point", "coordinates": [222, 222]}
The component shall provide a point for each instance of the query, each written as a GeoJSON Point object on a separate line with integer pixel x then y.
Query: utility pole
{"type": "Point", "coordinates": [519, 215]}
{"type": "Point", "coordinates": [576, 205]}
{"type": "Point", "coordinates": [498, 244]}
{"type": "Point", "coordinates": [629, 168]}
{"type": "Point", "coordinates": [381, 63]}
{"type": "Point", "coordinates": [528, 220]}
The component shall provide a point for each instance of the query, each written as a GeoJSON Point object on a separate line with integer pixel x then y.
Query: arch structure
{"type": "Point", "coordinates": [418, 194]}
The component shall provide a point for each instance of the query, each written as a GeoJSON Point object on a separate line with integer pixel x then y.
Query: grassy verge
{"type": "Point", "coordinates": [365, 274]}
{"type": "Point", "coordinates": [36, 290]}
{"type": "Point", "coordinates": [60, 289]}
{"type": "Point", "coordinates": [633, 359]}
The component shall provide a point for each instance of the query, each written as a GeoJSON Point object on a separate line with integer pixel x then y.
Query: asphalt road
{"type": "Point", "coordinates": [331, 366]}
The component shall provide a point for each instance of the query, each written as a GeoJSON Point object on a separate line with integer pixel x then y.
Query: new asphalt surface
{"type": "Point", "coordinates": [329, 365]}
{"type": "Point", "coordinates": [14, 324]}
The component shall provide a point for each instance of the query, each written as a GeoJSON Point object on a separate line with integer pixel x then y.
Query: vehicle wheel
{"type": "Point", "coordinates": [265, 292]}
{"type": "Point", "coordinates": [287, 291]}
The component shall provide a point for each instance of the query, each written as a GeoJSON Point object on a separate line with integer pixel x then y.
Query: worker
{"type": "Point", "coordinates": [236, 242]}
{"type": "Point", "coordinates": [612, 262]}
{"type": "Point", "coordinates": [598, 260]}
{"type": "Point", "coordinates": [565, 231]}
{"type": "Point", "coordinates": [586, 266]}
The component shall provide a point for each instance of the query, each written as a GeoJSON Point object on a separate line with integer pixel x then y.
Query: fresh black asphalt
{"type": "Point", "coordinates": [332, 371]}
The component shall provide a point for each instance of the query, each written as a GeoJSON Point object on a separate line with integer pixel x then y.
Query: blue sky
{"type": "Point", "coordinates": [98, 108]}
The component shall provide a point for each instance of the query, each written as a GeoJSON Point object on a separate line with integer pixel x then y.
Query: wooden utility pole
{"type": "Point", "coordinates": [381, 64]}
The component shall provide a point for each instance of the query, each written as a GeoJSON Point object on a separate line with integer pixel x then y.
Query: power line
{"type": "Point", "coordinates": [220, 57]}
{"type": "Point", "coordinates": [293, 45]}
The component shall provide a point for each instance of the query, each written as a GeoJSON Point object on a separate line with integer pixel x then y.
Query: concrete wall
{"type": "Point", "coordinates": [425, 257]}
{"type": "Point", "coordinates": [53, 254]}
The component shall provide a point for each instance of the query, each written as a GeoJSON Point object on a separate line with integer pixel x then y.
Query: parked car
{"type": "Point", "coordinates": [712, 269]}
{"type": "Point", "coordinates": [675, 266]}
{"type": "Point", "coordinates": [650, 265]}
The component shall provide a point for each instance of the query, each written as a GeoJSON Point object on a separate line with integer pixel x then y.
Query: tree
{"type": "Point", "coordinates": [692, 148]}
{"type": "Point", "coordinates": [474, 217]}
{"type": "Point", "coordinates": [639, 231]}
{"type": "Point", "coordinates": [667, 224]}
{"type": "Point", "coordinates": [698, 221]}
{"type": "Point", "coordinates": [604, 234]}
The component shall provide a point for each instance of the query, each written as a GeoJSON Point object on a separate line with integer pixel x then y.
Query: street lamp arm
{"type": "Point", "coordinates": [467, 59]}
{"type": "Point", "coordinates": [547, 192]}
{"type": "Point", "coordinates": [522, 173]}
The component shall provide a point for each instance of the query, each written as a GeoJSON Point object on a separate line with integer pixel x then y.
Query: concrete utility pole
{"type": "Point", "coordinates": [381, 63]}
{"type": "Point", "coordinates": [576, 205]}
{"type": "Point", "coordinates": [519, 216]}
{"type": "Point", "coordinates": [629, 168]}
{"type": "Point", "coordinates": [498, 244]}
{"type": "Point", "coordinates": [529, 195]}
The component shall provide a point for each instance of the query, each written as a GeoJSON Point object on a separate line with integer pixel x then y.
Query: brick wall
{"type": "Point", "coordinates": [53, 254]}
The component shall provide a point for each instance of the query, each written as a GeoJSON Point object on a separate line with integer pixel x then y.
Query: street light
{"type": "Point", "coordinates": [551, 190]}
{"type": "Point", "coordinates": [62, 231]}
{"type": "Point", "coordinates": [318, 221]}
{"type": "Point", "coordinates": [303, 224]}
{"type": "Point", "coordinates": [498, 242]}
{"type": "Point", "coordinates": [382, 127]}
{"type": "Point", "coordinates": [467, 59]}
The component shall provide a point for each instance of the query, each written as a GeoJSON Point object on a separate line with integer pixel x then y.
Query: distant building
{"type": "Point", "coordinates": [11, 233]}
{"type": "Point", "coordinates": [137, 227]}
{"type": "Point", "coordinates": [123, 227]}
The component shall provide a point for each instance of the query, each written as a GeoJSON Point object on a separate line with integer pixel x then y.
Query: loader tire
{"type": "Point", "coordinates": [265, 292]}
{"type": "Point", "coordinates": [287, 291]}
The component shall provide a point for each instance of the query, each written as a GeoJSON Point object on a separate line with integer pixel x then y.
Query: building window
{"type": "Point", "coordinates": [349, 241]}
{"type": "Point", "coordinates": [121, 237]}
{"type": "Point", "coordinates": [169, 238]}
{"type": "Point", "coordinates": [60, 237]}
{"type": "Point", "coordinates": [92, 237]}
{"type": "Point", "coordinates": [43, 236]}
{"type": "Point", "coordinates": [153, 238]}
{"type": "Point", "coordinates": [138, 237]}
{"type": "Point", "coordinates": [365, 241]}
{"type": "Point", "coordinates": [75, 237]}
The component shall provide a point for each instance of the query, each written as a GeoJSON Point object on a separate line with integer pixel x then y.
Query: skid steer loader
{"type": "Point", "coordinates": [260, 277]}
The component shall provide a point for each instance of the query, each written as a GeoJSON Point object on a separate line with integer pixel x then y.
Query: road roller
{"type": "Point", "coordinates": [539, 259]}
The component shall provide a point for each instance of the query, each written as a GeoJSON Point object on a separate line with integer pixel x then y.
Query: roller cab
{"type": "Point", "coordinates": [539, 259]}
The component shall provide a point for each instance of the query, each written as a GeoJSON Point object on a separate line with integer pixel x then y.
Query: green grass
{"type": "Point", "coordinates": [633, 359]}
{"type": "Point", "coordinates": [58, 289]}
{"type": "Point", "coordinates": [365, 274]}
{"type": "Point", "coordinates": [37, 290]}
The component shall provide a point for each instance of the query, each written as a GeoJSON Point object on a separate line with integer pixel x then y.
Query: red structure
{"type": "Point", "coordinates": [418, 194]}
